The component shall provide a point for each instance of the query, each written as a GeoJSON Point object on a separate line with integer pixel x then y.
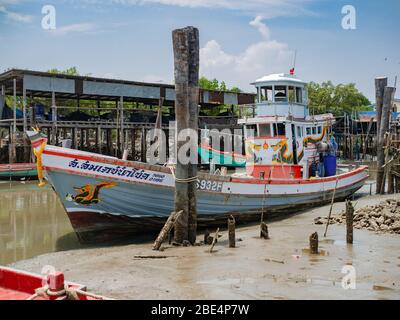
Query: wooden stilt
{"type": "Point", "coordinates": [186, 63]}
{"type": "Point", "coordinates": [166, 230]}
{"type": "Point", "coordinates": [349, 221]}
{"type": "Point", "coordinates": [264, 231]}
{"type": "Point", "coordinates": [231, 231]}
{"type": "Point", "coordinates": [314, 243]}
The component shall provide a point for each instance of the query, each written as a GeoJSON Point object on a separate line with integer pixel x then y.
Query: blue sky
{"type": "Point", "coordinates": [240, 40]}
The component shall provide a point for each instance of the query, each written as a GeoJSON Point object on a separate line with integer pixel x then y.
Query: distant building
{"type": "Point", "coordinates": [397, 104]}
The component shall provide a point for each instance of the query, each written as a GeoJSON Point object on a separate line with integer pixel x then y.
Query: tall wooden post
{"type": "Point", "coordinates": [27, 153]}
{"type": "Point", "coordinates": [122, 132]}
{"type": "Point", "coordinates": [133, 143]}
{"type": "Point", "coordinates": [99, 141]}
{"type": "Point", "coordinates": [143, 149]}
{"type": "Point", "coordinates": [384, 127]}
{"type": "Point", "coordinates": [186, 63]}
{"type": "Point", "coordinates": [380, 84]}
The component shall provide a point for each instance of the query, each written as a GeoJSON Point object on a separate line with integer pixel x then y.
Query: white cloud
{"type": "Point", "coordinates": [261, 27]}
{"type": "Point", "coordinates": [258, 59]}
{"type": "Point", "coordinates": [79, 27]}
{"type": "Point", "coordinates": [18, 17]}
{"type": "Point", "coordinates": [266, 8]}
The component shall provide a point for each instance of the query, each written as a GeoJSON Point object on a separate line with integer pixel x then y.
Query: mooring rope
{"type": "Point", "coordinates": [186, 180]}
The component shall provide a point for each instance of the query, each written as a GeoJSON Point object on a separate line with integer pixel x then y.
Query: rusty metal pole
{"type": "Point", "coordinates": [186, 63]}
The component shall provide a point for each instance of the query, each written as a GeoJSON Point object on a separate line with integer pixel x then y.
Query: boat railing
{"type": "Point", "coordinates": [247, 110]}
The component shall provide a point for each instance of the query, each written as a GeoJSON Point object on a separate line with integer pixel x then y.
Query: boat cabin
{"type": "Point", "coordinates": [282, 139]}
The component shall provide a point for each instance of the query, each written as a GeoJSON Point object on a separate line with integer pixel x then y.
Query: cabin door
{"type": "Point", "coordinates": [294, 144]}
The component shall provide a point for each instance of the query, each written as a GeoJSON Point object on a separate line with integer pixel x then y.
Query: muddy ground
{"type": "Point", "coordinates": [278, 268]}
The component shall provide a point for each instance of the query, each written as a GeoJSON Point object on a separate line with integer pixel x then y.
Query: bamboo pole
{"type": "Point", "coordinates": [186, 64]}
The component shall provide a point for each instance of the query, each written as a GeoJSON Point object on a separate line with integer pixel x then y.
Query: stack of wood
{"type": "Point", "coordinates": [381, 218]}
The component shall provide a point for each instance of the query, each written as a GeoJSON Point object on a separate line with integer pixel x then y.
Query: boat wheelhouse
{"type": "Point", "coordinates": [282, 139]}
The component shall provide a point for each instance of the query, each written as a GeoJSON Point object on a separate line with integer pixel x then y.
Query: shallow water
{"type": "Point", "coordinates": [32, 222]}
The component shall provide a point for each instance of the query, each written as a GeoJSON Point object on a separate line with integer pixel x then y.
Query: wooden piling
{"type": "Point", "coordinates": [388, 97]}
{"type": "Point", "coordinates": [380, 84]}
{"type": "Point", "coordinates": [207, 237]}
{"type": "Point", "coordinates": [314, 243]}
{"type": "Point", "coordinates": [186, 64]}
{"type": "Point", "coordinates": [264, 231]}
{"type": "Point", "coordinates": [231, 232]}
{"type": "Point", "coordinates": [166, 230]}
{"type": "Point", "coordinates": [215, 240]}
{"type": "Point", "coordinates": [349, 221]}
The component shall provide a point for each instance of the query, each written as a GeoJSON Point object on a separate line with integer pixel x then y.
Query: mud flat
{"type": "Point", "coordinates": [278, 268]}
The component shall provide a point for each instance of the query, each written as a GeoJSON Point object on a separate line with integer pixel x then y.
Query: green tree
{"type": "Point", "coordinates": [214, 84]}
{"type": "Point", "coordinates": [73, 71]}
{"type": "Point", "coordinates": [326, 97]}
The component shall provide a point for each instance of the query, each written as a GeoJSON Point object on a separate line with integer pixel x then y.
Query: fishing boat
{"type": "Point", "coordinates": [20, 285]}
{"type": "Point", "coordinates": [18, 171]}
{"type": "Point", "coordinates": [290, 165]}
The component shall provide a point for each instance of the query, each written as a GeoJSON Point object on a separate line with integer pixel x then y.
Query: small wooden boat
{"type": "Point", "coordinates": [290, 165]}
{"type": "Point", "coordinates": [21, 285]}
{"type": "Point", "coordinates": [227, 159]}
{"type": "Point", "coordinates": [18, 171]}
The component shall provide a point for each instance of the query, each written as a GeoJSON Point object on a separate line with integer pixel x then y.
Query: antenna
{"type": "Point", "coordinates": [294, 60]}
{"type": "Point", "coordinates": [292, 70]}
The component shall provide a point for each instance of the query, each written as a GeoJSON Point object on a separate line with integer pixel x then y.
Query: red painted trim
{"type": "Point", "coordinates": [98, 158]}
{"type": "Point", "coordinates": [301, 181]}
{"type": "Point", "coordinates": [68, 155]}
{"type": "Point", "coordinates": [98, 176]}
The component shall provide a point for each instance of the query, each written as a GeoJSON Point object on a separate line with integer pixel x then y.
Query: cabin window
{"type": "Point", "coordinates": [258, 95]}
{"type": "Point", "coordinates": [319, 130]}
{"type": "Point", "coordinates": [281, 94]}
{"type": "Point", "coordinates": [266, 94]}
{"type": "Point", "coordinates": [314, 130]}
{"type": "Point", "coordinates": [264, 130]}
{"type": "Point", "coordinates": [251, 131]}
{"type": "Point", "coordinates": [299, 95]}
{"type": "Point", "coordinates": [279, 129]}
{"type": "Point", "coordinates": [308, 131]}
{"type": "Point", "coordinates": [292, 94]}
{"type": "Point", "coordinates": [299, 132]}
